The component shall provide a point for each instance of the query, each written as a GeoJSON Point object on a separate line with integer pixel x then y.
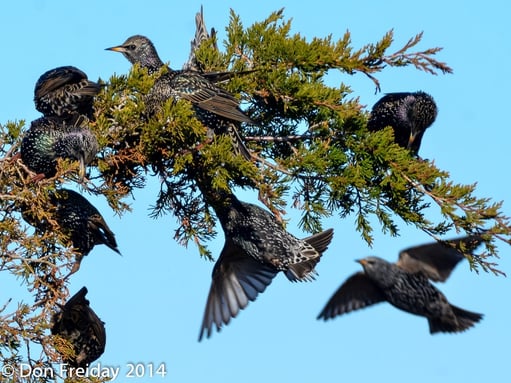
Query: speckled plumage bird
{"type": "Point", "coordinates": [216, 108]}
{"type": "Point", "coordinates": [49, 138]}
{"type": "Point", "coordinates": [78, 323]}
{"type": "Point", "coordinates": [406, 285]}
{"type": "Point", "coordinates": [65, 92]}
{"type": "Point", "coordinates": [409, 114]}
{"type": "Point", "coordinates": [256, 248]}
{"type": "Point", "coordinates": [80, 221]}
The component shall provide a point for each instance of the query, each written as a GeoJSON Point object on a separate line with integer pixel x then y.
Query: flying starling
{"type": "Point", "coordinates": [406, 285]}
{"type": "Point", "coordinates": [409, 114]}
{"type": "Point", "coordinates": [78, 323]}
{"type": "Point", "coordinates": [80, 221]}
{"type": "Point", "coordinates": [50, 138]}
{"type": "Point", "coordinates": [214, 107]}
{"type": "Point", "coordinates": [65, 92]}
{"type": "Point", "coordinates": [256, 248]}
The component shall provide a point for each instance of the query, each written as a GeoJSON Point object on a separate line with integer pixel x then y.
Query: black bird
{"type": "Point", "coordinates": [49, 138]}
{"type": "Point", "coordinates": [65, 92]}
{"type": "Point", "coordinates": [409, 114]}
{"type": "Point", "coordinates": [406, 285]}
{"type": "Point", "coordinates": [80, 221]}
{"type": "Point", "coordinates": [78, 323]}
{"type": "Point", "coordinates": [216, 108]}
{"type": "Point", "coordinates": [256, 248]}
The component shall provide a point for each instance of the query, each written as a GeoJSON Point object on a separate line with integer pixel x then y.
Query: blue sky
{"type": "Point", "coordinates": [152, 298]}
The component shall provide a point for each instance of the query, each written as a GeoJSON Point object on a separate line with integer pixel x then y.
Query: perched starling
{"type": "Point", "coordinates": [256, 248]}
{"type": "Point", "coordinates": [216, 108]}
{"type": "Point", "coordinates": [81, 221]}
{"type": "Point", "coordinates": [406, 285]}
{"type": "Point", "coordinates": [65, 92]}
{"type": "Point", "coordinates": [78, 323]}
{"type": "Point", "coordinates": [201, 35]}
{"type": "Point", "coordinates": [409, 114]}
{"type": "Point", "coordinates": [50, 138]}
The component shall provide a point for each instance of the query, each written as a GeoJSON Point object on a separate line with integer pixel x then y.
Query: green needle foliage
{"type": "Point", "coordinates": [311, 149]}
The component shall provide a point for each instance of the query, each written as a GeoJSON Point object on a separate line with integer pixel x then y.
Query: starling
{"type": "Point", "coordinates": [78, 323]}
{"type": "Point", "coordinates": [50, 138]}
{"type": "Point", "coordinates": [80, 220]}
{"type": "Point", "coordinates": [214, 107]}
{"type": "Point", "coordinates": [406, 285]}
{"type": "Point", "coordinates": [65, 92]}
{"type": "Point", "coordinates": [201, 35]}
{"type": "Point", "coordinates": [409, 114]}
{"type": "Point", "coordinates": [256, 248]}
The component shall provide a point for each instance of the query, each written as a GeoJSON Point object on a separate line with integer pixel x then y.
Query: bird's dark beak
{"type": "Point", "coordinates": [118, 48]}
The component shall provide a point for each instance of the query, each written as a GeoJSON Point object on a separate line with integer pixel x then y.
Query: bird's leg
{"type": "Point", "coordinates": [75, 268]}
{"type": "Point", "coordinates": [38, 177]}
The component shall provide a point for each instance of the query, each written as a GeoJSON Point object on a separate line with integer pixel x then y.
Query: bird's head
{"type": "Point", "coordinates": [139, 49]}
{"type": "Point", "coordinates": [374, 267]}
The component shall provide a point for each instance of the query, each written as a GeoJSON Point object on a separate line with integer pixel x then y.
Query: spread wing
{"type": "Point", "coordinates": [437, 259]}
{"type": "Point", "coordinates": [237, 279]}
{"type": "Point", "coordinates": [357, 292]}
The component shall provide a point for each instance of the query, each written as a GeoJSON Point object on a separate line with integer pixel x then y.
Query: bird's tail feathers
{"type": "Point", "coordinates": [103, 233]}
{"type": "Point", "coordinates": [464, 320]}
{"type": "Point", "coordinates": [302, 272]}
{"type": "Point", "coordinates": [320, 241]}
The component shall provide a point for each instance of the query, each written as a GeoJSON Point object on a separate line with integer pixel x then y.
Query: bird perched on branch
{"type": "Point", "coordinates": [214, 107]}
{"type": "Point", "coordinates": [49, 138]}
{"type": "Point", "coordinates": [65, 92]}
{"type": "Point", "coordinates": [406, 285]}
{"type": "Point", "coordinates": [80, 221]}
{"type": "Point", "coordinates": [78, 323]}
{"type": "Point", "coordinates": [409, 115]}
{"type": "Point", "coordinates": [256, 248]}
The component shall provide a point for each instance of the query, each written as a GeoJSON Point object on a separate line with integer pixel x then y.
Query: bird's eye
{"type": "Point", "coordinates": [132, 47]}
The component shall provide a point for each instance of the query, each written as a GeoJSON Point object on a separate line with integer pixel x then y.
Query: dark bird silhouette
{"type": "Point", "coordinates": [256, 248]}
{"type": "Point", "coordinates": [406, 285]}
{"type": "Point", "coordinates": [214, 107]}
{"type": "Point", "coordinates": [78, 323]}
{"type": "Point", "coordinates": [409, 114]}
{"type": "Point", "coordinates": [65, 92]}
{"type": "Point", "coordinates": [49, 138]}
{"type": "Point", "coordinates": [80, 221]}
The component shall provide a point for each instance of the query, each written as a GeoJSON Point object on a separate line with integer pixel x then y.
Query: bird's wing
{"type": "Point", "coordinates": [357, 292]}
{"type": "Point", "coordinates": [78, 298]}
{"type": "Point", "coordinates": [57, 78]}
{"type": "Point", "coordinates": [437, 259]}
{"type": "Point", "coordinates": [237, 279]}
{"type": "Point", "coordinates": [192, 86]}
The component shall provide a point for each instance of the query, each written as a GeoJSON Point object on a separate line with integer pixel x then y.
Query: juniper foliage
{"type": "Point", "coordinates": [311, 146]}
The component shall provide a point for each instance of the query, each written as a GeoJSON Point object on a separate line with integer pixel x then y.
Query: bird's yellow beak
{"type": "Point", "coordinates": [411, 140]}
{"type": "Point", "coordinates": [361, 261]}
{"type": "Point", "coordinates": [118, 48]}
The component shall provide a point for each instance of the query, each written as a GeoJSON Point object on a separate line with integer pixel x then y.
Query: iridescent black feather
{"type": "Point", "coordinates": [409, 114]}
{"type": "Point", "coordinates": [50, 138]}
{"type": "Point", "coordinates": [78, 323]}
{"type": "Point", "coordinates": [256, 248]}
{"type": "Point", "coordinates": [65, 92]}
{"type": "Point", "coordinates": [216, 108]}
